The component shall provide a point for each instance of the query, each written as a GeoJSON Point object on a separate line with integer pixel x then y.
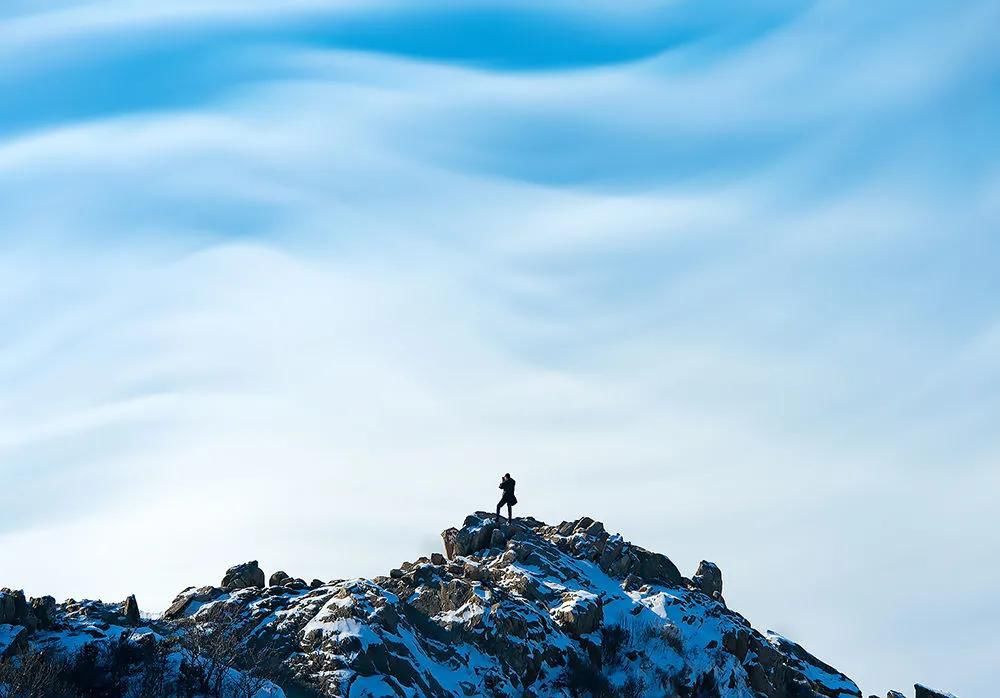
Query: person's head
{"type": "Point", "coordinates": [506, 476]}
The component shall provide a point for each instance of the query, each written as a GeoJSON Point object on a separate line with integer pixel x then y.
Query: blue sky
{"type": "Point", "coordinates": [296, 281]}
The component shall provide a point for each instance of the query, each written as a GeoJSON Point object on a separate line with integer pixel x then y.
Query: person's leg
{"type": "Point", "coordinates": [510, 516]}
{"type": "Point", "coordinates": [499, 504]}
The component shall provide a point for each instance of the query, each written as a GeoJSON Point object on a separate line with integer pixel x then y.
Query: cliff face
{"type": "Point", "coordinates": [510, 609]}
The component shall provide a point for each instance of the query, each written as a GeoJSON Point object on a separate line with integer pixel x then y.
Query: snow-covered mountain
{"type": "Point", "coordinates": [510, 609]}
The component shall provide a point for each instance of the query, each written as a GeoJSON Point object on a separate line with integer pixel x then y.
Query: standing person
{"type": "Point", "coordinates": [507, 485]}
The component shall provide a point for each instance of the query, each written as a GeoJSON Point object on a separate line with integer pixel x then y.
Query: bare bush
{"type": "Point", "coordinates": [213, 648]}
{"type": "Point", "coordinates": [633, 687]}
{"type": "Point", "coordinates": [668, 633]}
{"type": "Point", "coordinates": [34, 674]}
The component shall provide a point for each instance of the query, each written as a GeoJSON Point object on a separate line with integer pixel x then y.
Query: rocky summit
{"type": "Point", "coordinates": [509, 609]}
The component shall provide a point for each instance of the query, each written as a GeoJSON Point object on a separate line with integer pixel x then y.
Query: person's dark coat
{"type": "Point", "coordinates": [508, 491]}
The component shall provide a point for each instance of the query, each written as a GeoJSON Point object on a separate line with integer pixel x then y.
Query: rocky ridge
{"type": "Point", "coordinates": [509, 609]}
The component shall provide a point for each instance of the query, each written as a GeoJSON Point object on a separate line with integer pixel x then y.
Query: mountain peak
{"type": "Point", "coordinates": [512, 608]}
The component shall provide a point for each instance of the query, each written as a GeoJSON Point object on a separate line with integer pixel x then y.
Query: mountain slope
{"type": "Point", "coordinates": [521, 609]}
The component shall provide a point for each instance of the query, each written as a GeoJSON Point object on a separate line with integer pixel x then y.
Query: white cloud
{"type": "Point", "coordinates": [310, 319]}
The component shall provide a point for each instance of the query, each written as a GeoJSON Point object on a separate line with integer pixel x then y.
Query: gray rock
{"type": "Point", "coordinates": [497, 538]}
{"type": "Point", "coordinates": [924, 692]}
{"type": "Point", "coordinates": [894, 694]}
{"type": "Point", "coordinates": [131, 610]}
{"type": "Point", "coordinates": [278, 578]}
{"type": "Point", "coordinates": [708, 578]}
{"type": "Point", "coordinates": [579, 614]}
{"type": "Point", "coordinates": [190, 599]}
{"type": "Point", "coordinates": [15, 610]}
{"type": "Point", "coordinates": [243, 576]}
{"type": "Point", "coordinates": [44, 608]}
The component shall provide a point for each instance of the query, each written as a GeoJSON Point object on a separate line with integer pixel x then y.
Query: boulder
{"type": "Point", "coordinates": [15, 610]}
{"type": "Point", "coordinates": [131, 611]}
{"type": "Point", "coordinates": [497, 539]}
{"type": "Point", "coordinates": [708, 578]}
{"type": "Point", "coordinates": [277, 579]}
{"type": "Point", "coordinates": [476, 534]}
{"type": "Point", "coordinates": [190, 600]}
{"type": "Point", "coordinates": [316, 584]}
{"type": "Point", "coordinates": [243, 576]}
{"type": "Point", "coordinates": [580, 613]}
{"type": "Point", "coordinates": [894, 694]}
{"type": "Point", "coordinates": [44, 608]}
{"type": "Point", "coordinates": [924, 692]}
{"type": "Point", "coordinates": [656, 567]}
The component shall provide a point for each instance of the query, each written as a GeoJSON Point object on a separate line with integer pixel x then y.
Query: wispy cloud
{"type": "Point", "coordinates": [294, 283]}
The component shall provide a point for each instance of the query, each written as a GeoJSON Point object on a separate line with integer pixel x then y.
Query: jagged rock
{"type": "Point", "coordinates": [14, 609]}
{"type": "Point", "coordinates": [579, 613]}
{"type": "Point", "coordinates": [243, 576]}
{"type": "Point", "coordinates": [656, 567]}
{"type": "Point", "coordinates": [894, 694]}
{"type": "Point", "coordinates": [737, 643]}
{"type": "Point", "coordinates": [924, 692]}
{"type": "Point", "coordinates": [44, 607]}
{"type": "Point", "coordinates": [454, 594]}
{"type": "Point", "coordinates": [497, 538]}
{"type": "Point", "coordinates": [708, 578]}
{"type": "Point", "coordinates": [278, 578]}
{"type": "Point", "coordinates": [190, 600]}
{"type": "Point", "coordinates": [509, 610]}
{"type": "Point", "coordinates": [131, 610]}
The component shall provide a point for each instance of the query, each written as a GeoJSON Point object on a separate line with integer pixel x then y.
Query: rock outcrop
{"type": "Point", "coordinates": [708, 578]}
{"type": "Point", "coordinates": [512, 609]}
{"type": "Point", "coordinates": [131, 610]}
{"type": "Point", "coordinates": [243, 576]}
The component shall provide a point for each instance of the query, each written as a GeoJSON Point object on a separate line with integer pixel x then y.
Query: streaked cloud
{"type": "Point", "coordinates": [295, 283]}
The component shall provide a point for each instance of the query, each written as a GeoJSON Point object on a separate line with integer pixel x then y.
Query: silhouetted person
{"type": "Point", "coordinates": [507, 485]}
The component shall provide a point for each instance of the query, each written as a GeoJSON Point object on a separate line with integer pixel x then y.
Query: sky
{"type": "Point", "coordinates": [298, 281]}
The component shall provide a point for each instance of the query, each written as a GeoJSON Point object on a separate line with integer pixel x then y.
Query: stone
{"type": "Point", "coordinates": [44, 608]}
{"type": "Point", "coordinates": [924, 692]}
{"type": "Point", "coordinates": [181, 605]}
{"type": "Point", "coordinates": [708, 578]}
{"type": "Point", "coordinates": [15, 610]}
{"type": "Point", "coordinates": [737, 643]}
{"type": "Point", "coordinates": [277, 579]}
{"type": "Point", "coordinates": [243, 576]}
{"type": "Point", "coordinates": [454, 594]}
{"type": "Point", "coordinates": [131, 610]}
{"type": "Point", "coordinates": [894, 694]}
{"type": "Point", "coordinates": [580, 613]}
{"type": "Point", "coordinates": [437, 559]}
{"type": "Point", "coordinates": [448, 537]}
{"type": "Point", "coordinates": [316, 584]}
{"type": "Point", "coordinates": [656, 567]}
{"type": "Point", "coordinates": [497, 538]}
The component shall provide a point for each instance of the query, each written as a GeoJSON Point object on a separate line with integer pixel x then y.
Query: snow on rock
{"type": "Point", "coordinates": [512, 609]}
{"type": "Point", "coordinates": [12, 637]}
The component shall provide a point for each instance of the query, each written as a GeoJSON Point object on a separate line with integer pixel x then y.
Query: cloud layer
{"type": "Point", "coordinates": [297, 284]}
